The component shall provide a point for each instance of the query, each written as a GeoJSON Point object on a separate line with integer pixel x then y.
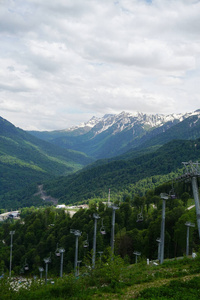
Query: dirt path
{"type": "Point", "coordinates": [43, 195]}
{"type": "Point", "coordinates": [133, 291]}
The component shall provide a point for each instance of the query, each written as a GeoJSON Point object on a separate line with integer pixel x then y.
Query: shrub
{"type": "Point", "coordinates": [176, 289]}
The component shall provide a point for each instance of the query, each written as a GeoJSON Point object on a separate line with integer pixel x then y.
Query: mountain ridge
{"type": "Point", "coordinates": [147, 119]}
{"type": "Point", "coordinates": [113, 135]}
{"type": "Point", "coordinates": [25, 159]}
{"type": "Point", "coordinates": [124, 175]}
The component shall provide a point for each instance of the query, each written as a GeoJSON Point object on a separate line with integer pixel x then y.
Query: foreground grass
{"type": "Point", "coordinates": [179, 279]}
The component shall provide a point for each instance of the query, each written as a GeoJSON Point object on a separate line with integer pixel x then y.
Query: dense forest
{"type": "Point", "coordinates": [40, 231]}
{"type": "Point", "coordinates": [72, 177]}
{"type": "Point", "coordinates": [134, 175]}
{"type": "Point", "coordinates": [108, 141]}
{"type": "Point", "coordinates": [24, 160]}
{"type": "Point", "coordinates": [136, 182]}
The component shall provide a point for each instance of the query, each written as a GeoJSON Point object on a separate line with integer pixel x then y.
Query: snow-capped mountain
{"type": "Point", "coordinates": [115, 134]}
{"type": "Point", "coordinates": [126, 121]}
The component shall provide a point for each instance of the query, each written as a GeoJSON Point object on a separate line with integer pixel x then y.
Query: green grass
{"type": "Point", "coordinates": [176, 289]}
{"type": "Point", "coordinates": [178, 279]}
{"type": "Point", "coordinates": [190, 202]}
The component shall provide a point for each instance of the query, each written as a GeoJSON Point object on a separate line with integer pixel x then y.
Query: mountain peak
{"type": "Point", "coordinates": [114, 134]}
{"type": "Point", "coordinates": [127, 120]}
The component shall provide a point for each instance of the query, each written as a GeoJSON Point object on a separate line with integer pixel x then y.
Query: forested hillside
{"type": "Point", "coordinates": [25, 159]}
{"type": "Point", "coordinates": [135, 188]}
{"type": "Point", "coordinates": [134, 176]}
{"type": "Point", "coordinates": [40, 232]}
{"type": "Point", "coordinates": [188, 129]}
{"type": "Point", "coordinates": [115, 135]}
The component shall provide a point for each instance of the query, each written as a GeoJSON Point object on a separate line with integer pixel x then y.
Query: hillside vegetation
{"type": "Point", "coordinates": [25, 159]}
{"type": "Point", "coordinates": [40, 232]}
{"type": "Point", "coordinates": [115, 280]}
{"type": "Point", "coordinates": [117, 137]}
{"type": "Point", "coordinates": [136, 181]}
{"type": "Point", "coordinates": [133, 176]}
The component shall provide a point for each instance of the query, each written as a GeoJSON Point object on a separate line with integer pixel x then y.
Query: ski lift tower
{"type": "Point", "coordinates": [191, 174]}
{"type": "Point", "coordinates": [47, 260]}
{"type": "Point", "coordinates": [188, 224]}
{"type": "Point", "coordinates": [61, 251]}
{"type": "Point", "coordinates": [100, 254]}
{"type": "Point", "coordinates": [109, 203]}
{"type": "Point", "coordinates": [164, 197]}
{"type": "Point", "coordinates": [136, 255]}
{"type": "Point", "coordinates": [77, 233]}
{"type": "Point", "coordinates": [11, 247]}
{"type": "Point", "coordinates": [159, 242]}
{"type": "Point", "coordinates": [96, 217]}
{"type": "Point", "coordinates": [114, 208]}
{"type": "Point", "coordinates": [41, 269]}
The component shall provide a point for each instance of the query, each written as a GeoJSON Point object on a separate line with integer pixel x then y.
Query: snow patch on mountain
{"type": "Point", "coordinates": [127, 120]}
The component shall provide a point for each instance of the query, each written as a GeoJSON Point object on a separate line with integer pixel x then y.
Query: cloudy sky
{"type": "Point", "coordinates": [63, 61]}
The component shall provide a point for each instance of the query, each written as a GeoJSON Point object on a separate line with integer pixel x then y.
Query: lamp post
{"type": "Point", "coordinates": [136, 255]}
{"type": "Point", "coordinates": [96, 217]}
{"type": "Point", "coordinates": [11, 246]}
{"type": "Point", "coordinates": [47, 261]}
{"type": "Point", "coordinates": [77, 233]}
{"type": "Point", "coordinates": [188, 224]}
{"type": "Point", "coordinates": [61, 250]}
{"type": "Point", "coordinates": [164, 197]}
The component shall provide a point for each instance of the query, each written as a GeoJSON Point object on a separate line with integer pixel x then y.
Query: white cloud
{"type": "Point", "coordinates": [64, 61]}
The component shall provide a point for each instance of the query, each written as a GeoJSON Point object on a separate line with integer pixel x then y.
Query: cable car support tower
{"type": "Point", "coordinates": [191, 174]}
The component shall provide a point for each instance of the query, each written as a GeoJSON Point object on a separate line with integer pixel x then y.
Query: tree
{"type": "Point", "coordinates": [184, 197]}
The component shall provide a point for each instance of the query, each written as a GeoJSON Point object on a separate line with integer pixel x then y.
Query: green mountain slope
{"type": "Point", "coordinates": [106, 144]}
{"type": "Point", "coordinates": [120, 175]}
{"type": "Point", "coordinates": [117, 139]}
{"type": "Point", "coordinates": [25, 159]}
{"type": "Point", "coordinates": [188, 129]}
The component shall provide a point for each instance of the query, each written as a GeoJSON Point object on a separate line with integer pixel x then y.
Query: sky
{"type": "Point", "coordinates": [63, 62]}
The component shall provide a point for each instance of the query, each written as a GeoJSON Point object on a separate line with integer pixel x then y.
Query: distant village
{"type": "Point", "coordinates": [68, 209]}
{"type": "Point", "coordinates": [10, 215]}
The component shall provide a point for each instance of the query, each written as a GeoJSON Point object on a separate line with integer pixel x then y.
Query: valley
{"type": "Point", "coordinates": [154, 146]}
{"type": "Point", "coordinates": [60, 192]}
{"type": "Point", "coordinates": [113, 135]}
